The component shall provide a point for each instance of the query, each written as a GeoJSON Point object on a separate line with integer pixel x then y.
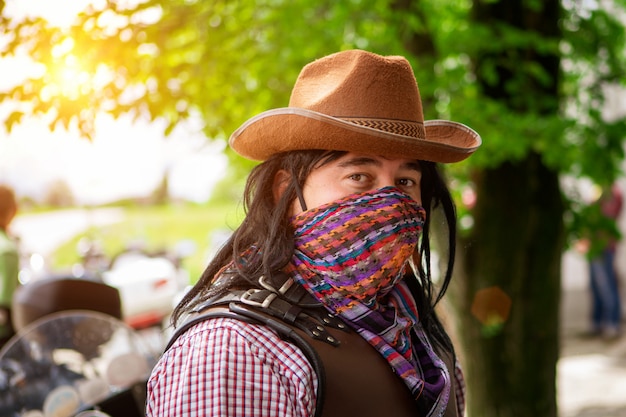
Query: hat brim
{"type": "Point", "coordinates": [293, 128]}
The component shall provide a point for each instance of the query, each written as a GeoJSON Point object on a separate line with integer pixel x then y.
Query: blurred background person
{"type": "Point", "coordinates": [9, 262]}
{"type": "Point", "coordinates": [600, 245]}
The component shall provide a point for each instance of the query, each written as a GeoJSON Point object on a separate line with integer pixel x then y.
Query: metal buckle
{"type": "Point", "coordinates": [245, 298]}
{"type": "Point", "coordinates": [282, 290]}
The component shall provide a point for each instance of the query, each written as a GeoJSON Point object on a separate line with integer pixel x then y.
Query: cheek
{"type": "Point", "coordinates": [318, 193]}
{"type": "Point", "coordinates": [295, 208]}
{"type": "Point", "coordinates": [417, 196]}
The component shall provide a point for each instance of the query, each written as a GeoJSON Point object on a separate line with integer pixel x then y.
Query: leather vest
{"type": "Point", "coordinates": [359, 381]}
{"type": "Point", "coordinates": [353, 378]}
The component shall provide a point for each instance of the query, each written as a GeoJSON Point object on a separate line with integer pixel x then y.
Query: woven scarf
{"type": "Point", "coordinates": [351, 255]}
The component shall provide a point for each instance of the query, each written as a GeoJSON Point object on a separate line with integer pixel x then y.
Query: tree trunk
{"type": "Point", "coordinates": [509, 267]}
{"type": "Point", "coordinates": [515, 253]}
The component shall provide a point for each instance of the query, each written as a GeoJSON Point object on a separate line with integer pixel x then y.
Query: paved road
{"type": "Point", "coordinates": [591, 378]}
{"type": "Point", "coordinates": [42, 233]}
{"type": "Point", "coordinates": [591, 372]}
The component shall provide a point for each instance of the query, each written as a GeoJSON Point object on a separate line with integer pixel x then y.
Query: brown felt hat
{"type": "Point", "coordinates": [360, 102]}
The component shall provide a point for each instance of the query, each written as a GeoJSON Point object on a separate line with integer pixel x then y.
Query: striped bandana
{"type": "Point", "coordinates": [351, 255]}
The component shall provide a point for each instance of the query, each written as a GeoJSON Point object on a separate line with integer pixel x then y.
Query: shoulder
{"type": "Point", "coordinates": [231, 339]}
{"type": "Point", "coordinates": [223, 331]}
{"type": "Point", "coordinates": [218, 356]}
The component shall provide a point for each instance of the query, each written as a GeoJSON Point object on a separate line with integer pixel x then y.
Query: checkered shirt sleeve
{"type": "Point", "coordinates": [229, 368]}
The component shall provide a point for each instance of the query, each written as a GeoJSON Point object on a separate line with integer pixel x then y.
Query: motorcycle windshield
{"type": "Point", "coordinates": [70, 361]}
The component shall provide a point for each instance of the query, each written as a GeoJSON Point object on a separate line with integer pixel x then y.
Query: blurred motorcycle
{"type": "Point", "coordinates": [147, 281]}
{"type": "Point", "coordinates": [75, 363]}
{"type": "Point", "coordinates": [137, 286]}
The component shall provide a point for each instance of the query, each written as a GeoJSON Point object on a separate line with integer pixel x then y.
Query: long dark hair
{"type": "Point", "coordinates": [266, 225]}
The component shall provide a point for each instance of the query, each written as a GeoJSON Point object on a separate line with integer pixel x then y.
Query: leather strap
{"type": "Point", "coordinates": [247, 313]}
{"type": "Point", "coordinates": [287, 308]}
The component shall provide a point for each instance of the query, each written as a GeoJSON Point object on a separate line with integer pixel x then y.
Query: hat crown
{"type": "Point", "coordinates": [359, 84]}
{"type": "Point", "coordinates": [355, 101]}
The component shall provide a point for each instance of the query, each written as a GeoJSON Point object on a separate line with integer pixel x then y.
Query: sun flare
{"type": "Point", "coordinates": [66, 77]}
{"type": "Point", "coordinates": [50, 10]}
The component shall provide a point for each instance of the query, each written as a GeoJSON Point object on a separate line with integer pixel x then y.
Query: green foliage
{"type": "Point", "coordinates": [227, 60]}
{"type": "Point", "coordinates": [596, 230]}
{"type": "Point", "coordinates": [594, 59]}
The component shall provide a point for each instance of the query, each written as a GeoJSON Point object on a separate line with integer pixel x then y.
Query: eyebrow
{"type": "Point", "coordinates": [364, 160]}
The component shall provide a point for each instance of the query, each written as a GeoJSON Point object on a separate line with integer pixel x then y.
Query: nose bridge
{"type": "Point", "coordinates": [386, 176]}
{"type": "Point", "coordinates": [386, 181]}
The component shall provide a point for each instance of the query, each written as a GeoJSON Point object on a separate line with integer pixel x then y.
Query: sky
{"type": "Point", "coordinates": [125, 159]}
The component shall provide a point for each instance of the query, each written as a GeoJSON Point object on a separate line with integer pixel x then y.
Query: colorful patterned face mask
{"type": "Point", "coordinates": [351, 254]}
{"type": "Point", "coordinates": [358, 246]}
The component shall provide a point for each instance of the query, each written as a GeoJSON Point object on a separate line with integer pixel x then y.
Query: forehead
{"type": "Point", "coordinates": [351, 159]}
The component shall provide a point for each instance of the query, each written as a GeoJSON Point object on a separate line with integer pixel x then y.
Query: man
{"type": "Point", "coordinates": [322, 303]}
{"type": "Point", "coordinates": [9, 262]}
{"type": "Point", "coordinates": [606, 312]}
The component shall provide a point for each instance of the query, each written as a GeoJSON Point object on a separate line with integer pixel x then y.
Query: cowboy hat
{"type": "Point", "coordinates": [360, 102]}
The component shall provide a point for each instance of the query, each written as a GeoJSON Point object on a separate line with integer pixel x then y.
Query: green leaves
{"type": "Point", "coordinates": [13, 119]}
{"type": "Point", "coordinates": [229, 60]}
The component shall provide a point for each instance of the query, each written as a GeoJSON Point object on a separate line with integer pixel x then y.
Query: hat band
{"type": "Point", "coordinates": [404, 128]}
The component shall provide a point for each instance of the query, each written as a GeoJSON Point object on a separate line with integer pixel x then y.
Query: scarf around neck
{"type": "Point", "coordinates": [352, 255]}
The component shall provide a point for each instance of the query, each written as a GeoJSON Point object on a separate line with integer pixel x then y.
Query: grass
{"type": "Point", "coordinates": [159, 227]}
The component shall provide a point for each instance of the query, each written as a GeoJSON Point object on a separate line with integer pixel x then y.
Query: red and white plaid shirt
{"type": "Point", "coordinates": [229, 368]}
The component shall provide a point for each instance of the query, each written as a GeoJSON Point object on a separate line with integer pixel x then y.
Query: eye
{"type": "Point", "coordinates": [358, 177]}
{"type": "Point", "coordinates": [406, 182]}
